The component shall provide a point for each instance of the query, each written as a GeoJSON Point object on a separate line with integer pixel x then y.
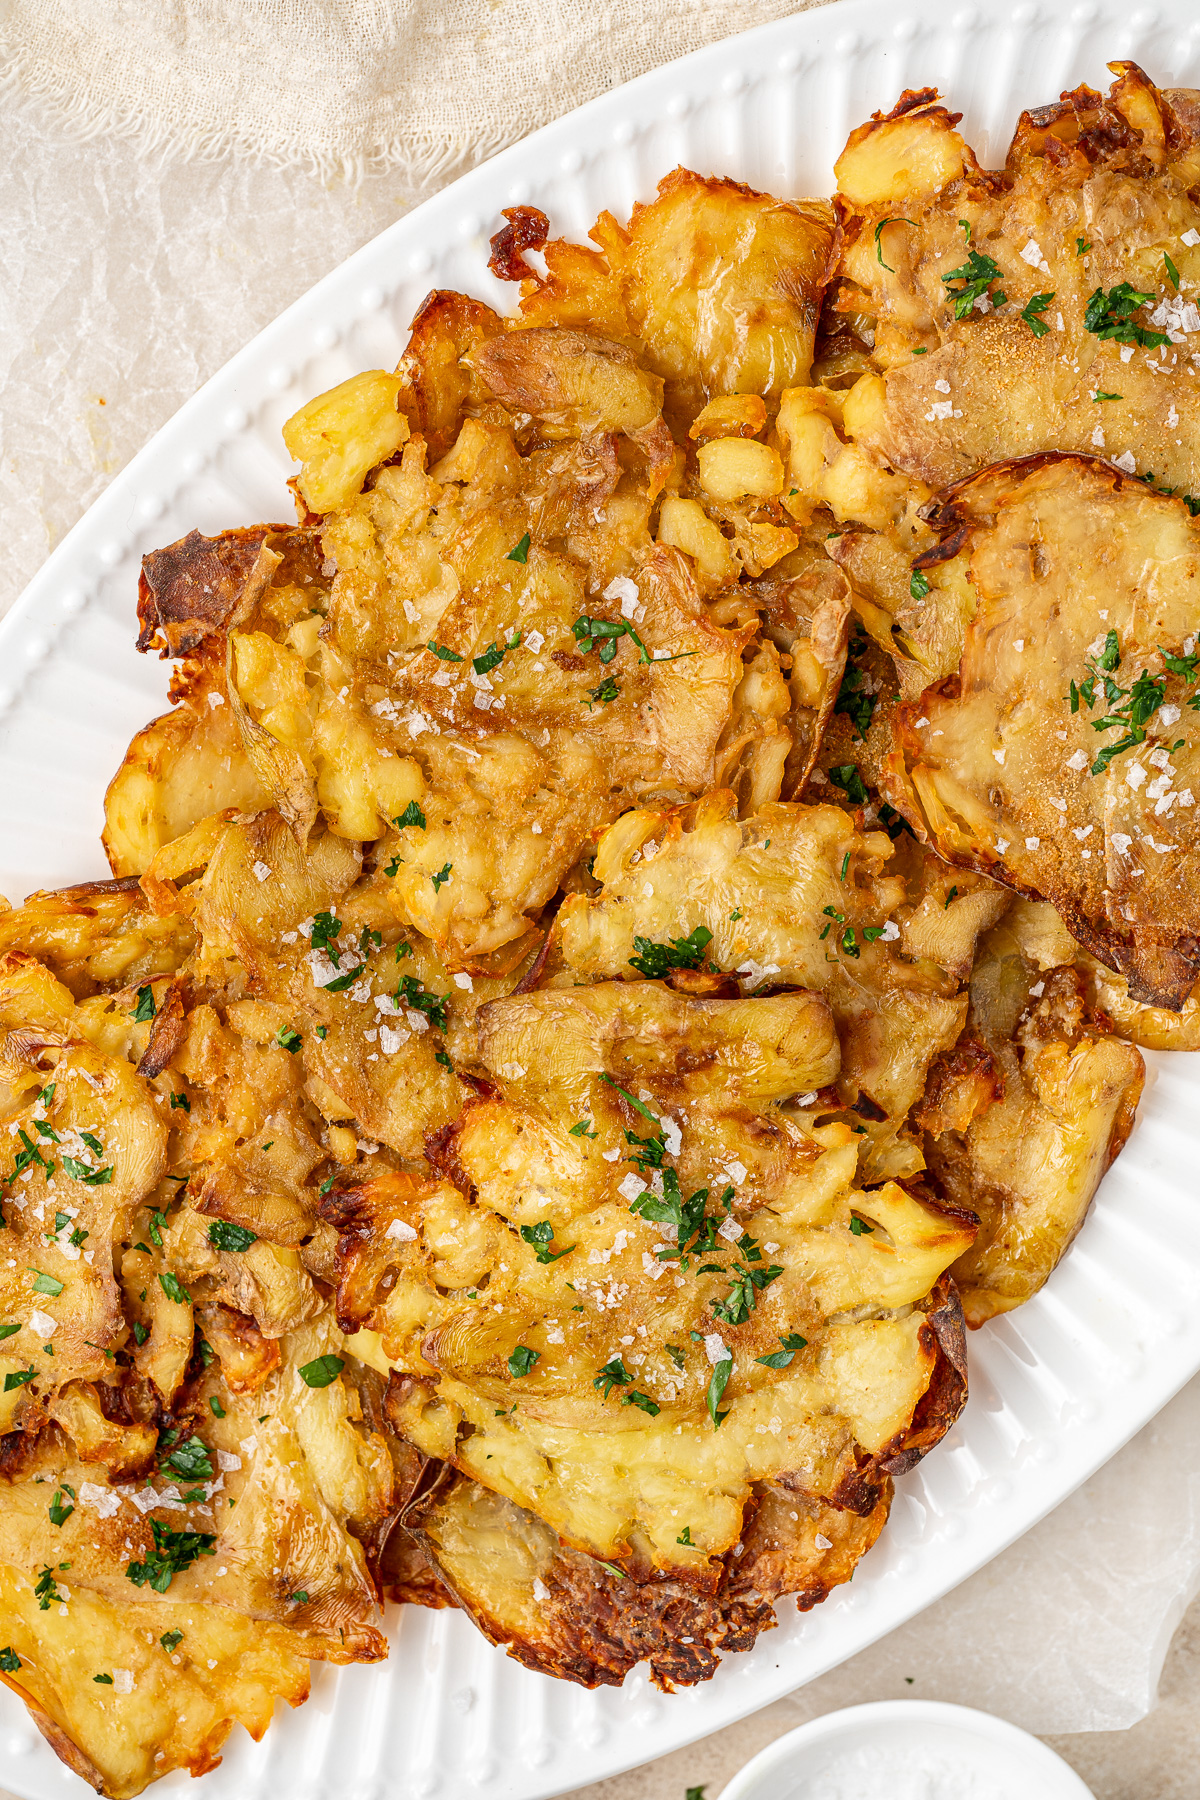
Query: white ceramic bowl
{"type": "Point", "coordinates": [907, 1750]}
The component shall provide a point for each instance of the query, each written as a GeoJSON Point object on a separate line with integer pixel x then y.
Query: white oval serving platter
{"type": "Point", "coordinates": [1057, 1387]}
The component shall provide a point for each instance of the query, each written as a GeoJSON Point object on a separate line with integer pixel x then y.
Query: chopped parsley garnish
{"type": "Point", "coordinates": [1111, 316]}
{"type": "Point", "coordinates": [859, 1227]}
{"type": "Point", "coordinates": [393, 866]}
{"type": "Point", "coordinates": [718, 1382]}
{"type": "Point", "coordinates": [439, 1056]}
{"type": "Point", "coordinates": [289, 1039]}
{"type": "Point", "coordinates": [224, 1235]}
{"type": "Point", "coordinates": [46, 1589]}
{"type": "Point", "coordinates": [180, 1100]}
{"type": "Point", "coordinates": [140, 1333]}
{"type": "Point", "coordinates": [28, 1155]}
{"type": "Point", "coordinates": [745, 1284]}
{"type": "Point", "coordinates": [879, 245]}
{"type": "Point", "coordinates": [145, 1005]}
{"type": "Point", "coordinates": [1082, 246]}
{"type": "Point", "coordinates": [60, 1512]}
{"type": "Point", "coordinates": [157, 1221]}
{"type": "Point", "coordinates": [1129, 708]}
{"type": "Point", "coordinates": [215, 1407]}
{"type": "Point", "coordinates": [519, 552]}
{"type": "Point", "coordinates": [79, 1171]}
{"type": "Point", "coordinates": [494, 655]}
{"type": "Point", "coordinates": [174, 1289]}
{"type": "Point", "coordinates": [583, 1129]}
{"type": "Point", "coordinates": [857, 706]}
{"type": "Point", "coordinates": [322, 1370]}
{"type": "Point", "coordinates": [412, 992]}
{"type": "Point", "coordinates": [191, 1460]}
{"type": "Point", "coordinates": [918, 585]}
{"type": "Point", "coordinates": [967, 284]}
{"type": "Point", "coordinates": [325, 931]}
{"type": "Point", "coordinates": [643, 1402]}
{"type": "Point", "coordinates": [104, 1680]}
{"type": "Point", "coordinates": [299, 1597]}
{"type": "Point", "coordinates": [613, 1569]}
{"type": "Point", "coordinates": [677, 1356]}
{"type": "Point", "coordinates": [605, 694]}
{"type": "Point", "coordinates": [847, 777]}
{"type": "Point", "coordinates": [10, 1662]}
{"type": "Point", "coordinates": [173, 1552]}
{"type": "Point", "coordinates": [442, 877]}
{"type": "Point", "coordinates": [782, 1359]}
{"type": "Point", "coordinates": [655, 960]}
{"type": "Point", "coordinates": [1037, 304]}
{"type": "Point", "coordinates": [541, 1236]}
{"type": "Point", "coordinates": [612, 1374]}
{"type": "Point", "coordinates": [412, 815]}
{"type": "Point", "coordinates": [1172, 272]}
{"type": "Point", "coordinates": [7, 1331]}
{"type": "Point", "coordinates": [685, 1537]}
{"type": "Point", "coordinates": [522, 1360]}
{"type": "Point", "coordinates": [1097, 396]}
{"type": "Point", "coordinates": [171, 1640]}
{"type": "Point", "coordinates": [443, 653]}
{"type": "Point", "coordinates": [588, 632]}
{"type": "Point", "coordinates": [46, 1284]}
{"type": "Point", "coordinates": [949, 897]}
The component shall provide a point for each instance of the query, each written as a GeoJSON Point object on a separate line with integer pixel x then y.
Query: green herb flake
{"type": "Point", "coordinates": [782, 1359]}
{"type": "Point", "coordinates": [969, 283]}
{"type": "Point", "coordinates": [60, 1511]}
{"type": "Point", "coordinates": [718, 1382]}
{"type": "Point", "coordinates": [145, 1005]}
{"type": "Point", "coordinates": [442, 877]}
{"type": "Point", "coordinates": [215, 1407]}
{"type": "Point", "coordinates": [180, 1100]}
{"type": "Point", "coordinates": [299, 1598]}
{"type": "Point", "coordinates": [949, 897]}
{"type": "Point", "coordinates": [1111, 316]}
{"type": "Point", "coordinates": [685, 1537]}
{"type": "Point", "coordinates": [322, 1370]}
{"type": "Point", "coordinates": [879, 244]}
{"type": "Point", "coordinates": [605, 694]}
{"type": "Point", "coordinates": [613, 1569]}
{"type": "Point", "coordinates": [1037, 304]}
{"type": "Point", "coordinates": [918, 585]}
{"type": "Point", "coordinates": [846, 777]}
{"type": "Point", "coordinates": [439, 1056]}
{"type": "Point", "coordinates": [171, 1640]}
{"type": "Point", "coordinates": [10, 1662]}
{"type": "Point", "coordinates": [191, 1460]}
{"type": "Point", "coordinates": [522, 1360]}
{"type": "Point", "coordinates": [859, 1227]}
{"type": "Point", "coordinates": [104, 1680]}
{"type": "Point", "coordinates": [519, 552]}
{"type": "Point", "coordinates": [1082, 246]}
{"type": "Point", "coordinates": [612, 1374]}
{"type": "Point", "coordinates": [46, 1284]}
{"type": "Point", "coordinates": [173, 1552]}
{"type": "Point", "coordinates": [289, 1039]}
{"type": "Point", "coordinates": [412, 992]}
{"type": "Point", "coordinates": [656, 960]}
{"type": "Point", "coordinates": [583, 1129]}
{"type": "Point", "coordinates": [140, 1333]}
{"type": "Point", "coordinates": [541, 1236]}
{"type": "Point", "coordinates": [46, 1589]}
{"type": "Point", "coordinates": [1172, 272]}
{"type": "Point", "coordinates": [173, 1288]}
{"type": "Point", "coordinates": [494, 655]}
{"type": "Point", "coordinates": [443, 653]}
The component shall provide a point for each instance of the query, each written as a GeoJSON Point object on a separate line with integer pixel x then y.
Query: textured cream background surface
{"type": "Point", "coordinates": [129, 278]}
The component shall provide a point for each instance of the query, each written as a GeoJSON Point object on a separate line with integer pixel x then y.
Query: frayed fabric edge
{"type": "Point", "coordinates": [421, 159]}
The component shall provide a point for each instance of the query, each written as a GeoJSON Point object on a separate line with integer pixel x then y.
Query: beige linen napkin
{"type": "Point", "coordinates": [422, 86]}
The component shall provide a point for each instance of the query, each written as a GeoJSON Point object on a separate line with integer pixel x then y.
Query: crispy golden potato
{"type": "Point", "coordinates": [96, 937]}
{"type": "Point", "coordinates": [1050, 757]}
{"type": "Point", "coordinates": [169, 1701]}
{"type": "Point", "coordinates": [557, 1235]}
{"type": "Point", "coordinates": [954, 262]}
{"type": "Point", "coordinates": [1022, 1125]}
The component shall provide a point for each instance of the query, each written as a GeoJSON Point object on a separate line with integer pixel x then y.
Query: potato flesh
{"type": "Point", "coordinates": [341, 434]}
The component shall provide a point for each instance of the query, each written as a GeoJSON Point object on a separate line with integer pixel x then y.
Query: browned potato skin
{"type": "Point", "coordinates": [1025, 1116]}
{"type": "Point", "coordinates": [1021, 813]}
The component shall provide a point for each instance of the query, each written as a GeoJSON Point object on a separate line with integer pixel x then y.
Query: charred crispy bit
{"type": "Point", "coordinates": [1063, 1095]}
{"type": "Point", "coordinates": [564, 1613]}
{"type": "Point", "coordinates": [1051, 757]}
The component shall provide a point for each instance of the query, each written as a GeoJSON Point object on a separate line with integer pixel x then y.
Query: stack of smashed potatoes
{"type": "Point", "coordinates": [637, 926]}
